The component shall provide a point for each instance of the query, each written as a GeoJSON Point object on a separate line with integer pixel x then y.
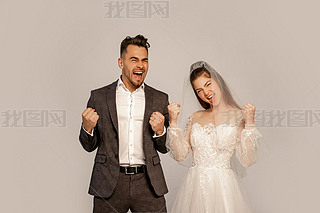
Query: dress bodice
{"type": "Point", "coordinates": [213, 145]}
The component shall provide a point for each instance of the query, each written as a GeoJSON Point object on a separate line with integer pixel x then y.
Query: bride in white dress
{"type": "Point", "coordinates": [215, 135]}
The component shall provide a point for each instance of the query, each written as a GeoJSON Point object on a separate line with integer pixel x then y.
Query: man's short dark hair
{"type": "Point", "coordinates": [138, 40]}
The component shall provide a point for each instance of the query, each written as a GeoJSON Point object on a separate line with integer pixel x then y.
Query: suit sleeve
{"type": "Point", "coordinates": [160, 142]}
{"type": "Point", "coordinates": [88, 142]}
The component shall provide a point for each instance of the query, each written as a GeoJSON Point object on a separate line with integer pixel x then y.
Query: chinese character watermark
{"type": "Point", "coordinates": [33, 118]}
{"type": "Point", "coordinates": [281, 118]}
{"type": "Point", "coordinates": [136, 9]}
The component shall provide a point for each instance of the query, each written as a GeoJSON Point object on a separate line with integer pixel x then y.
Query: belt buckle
{"type": "Point", "coordinates": [130, 173]}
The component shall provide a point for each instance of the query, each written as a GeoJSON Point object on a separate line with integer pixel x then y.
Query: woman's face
{"type": "Point", "coordinates": [207, 89]}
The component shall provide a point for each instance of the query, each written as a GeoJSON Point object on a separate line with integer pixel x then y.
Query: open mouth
{"type": "Point", "coordinates": [210, 98]}
{"type": "Point", "coordinates": [138, 73]}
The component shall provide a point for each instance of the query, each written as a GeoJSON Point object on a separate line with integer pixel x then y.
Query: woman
{"type": "Point", "coordinates": [216, 134]}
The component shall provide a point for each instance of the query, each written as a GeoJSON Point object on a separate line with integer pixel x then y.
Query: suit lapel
{"type": "Point", "coordinates": [111, 101]}
{"type": "Point", "coordinates": [148, 107]}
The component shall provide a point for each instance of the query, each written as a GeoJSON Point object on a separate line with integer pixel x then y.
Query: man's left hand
{"type": "Point", "coordinates": [157, 122]}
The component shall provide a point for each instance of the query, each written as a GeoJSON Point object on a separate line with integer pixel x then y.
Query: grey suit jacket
{"type": "Point", "coordinates": [105, 137]}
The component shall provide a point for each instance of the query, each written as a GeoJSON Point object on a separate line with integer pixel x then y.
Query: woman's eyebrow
{"type": "Point", "coordinates": [207, 82]}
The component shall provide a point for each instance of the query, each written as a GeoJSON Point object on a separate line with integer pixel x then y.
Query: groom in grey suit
{"type": "Point", "coordinates": [126, 121]}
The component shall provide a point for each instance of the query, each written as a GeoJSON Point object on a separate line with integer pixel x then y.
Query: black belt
{"type": "Point", "coordinates": [131, 170]}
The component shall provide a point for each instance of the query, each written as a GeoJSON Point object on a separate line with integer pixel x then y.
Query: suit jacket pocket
{"type": "Point", "coordinates": [156, 160]}
{"type": "Point", "coordinates": [100, 158]}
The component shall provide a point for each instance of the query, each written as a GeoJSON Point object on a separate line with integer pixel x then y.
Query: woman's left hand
{"type": "Point", "coordinates": [248, 111]}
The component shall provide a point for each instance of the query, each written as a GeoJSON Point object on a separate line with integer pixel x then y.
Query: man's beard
{"type": "Point", "coordinates": [135, 84]}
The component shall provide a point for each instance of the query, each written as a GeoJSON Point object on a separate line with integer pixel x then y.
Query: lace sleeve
{"type": "Point", "coordinates": [178, 141]}
{"type": "Point", "coordinates": [247, 148]}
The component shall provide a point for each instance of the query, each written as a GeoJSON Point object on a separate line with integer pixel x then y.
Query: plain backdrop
{"type": "Point", "coordinates": [54, 52]}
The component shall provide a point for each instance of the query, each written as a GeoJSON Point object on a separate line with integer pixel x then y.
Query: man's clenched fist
{"type": "Point", "coordinates": [89, 119]}
{"type": "Point", "coordinates": [157, 122]}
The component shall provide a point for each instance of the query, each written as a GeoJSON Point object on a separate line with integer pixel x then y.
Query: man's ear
{"type": "Point", "coordinates": [120, 63]}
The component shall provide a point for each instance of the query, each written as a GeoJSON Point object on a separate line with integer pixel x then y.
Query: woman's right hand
{"type": "Point", "coordinates": [174, 110]}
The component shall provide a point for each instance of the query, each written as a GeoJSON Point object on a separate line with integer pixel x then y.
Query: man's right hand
{"type": "Point", "coordinates": [89, 119]}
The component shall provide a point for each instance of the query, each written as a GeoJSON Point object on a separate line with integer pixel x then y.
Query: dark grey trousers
{"type": "Point", "coordinates": [132, 192]}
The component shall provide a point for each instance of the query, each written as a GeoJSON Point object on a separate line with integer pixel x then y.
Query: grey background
{"type": "Point", "coordinates": [54, 52]}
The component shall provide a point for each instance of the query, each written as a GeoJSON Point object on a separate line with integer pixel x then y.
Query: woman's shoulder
{"type": "Point", "coordinates": [194, 117]}
{"type": "Point", "coordinates": [198, 114]}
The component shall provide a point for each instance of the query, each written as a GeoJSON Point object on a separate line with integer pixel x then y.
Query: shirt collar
{"type": "Point", "coordinates": [121, 84]}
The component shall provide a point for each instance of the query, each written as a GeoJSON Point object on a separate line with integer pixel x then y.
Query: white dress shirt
{"type": "Point", "coordinates": [130, 112]}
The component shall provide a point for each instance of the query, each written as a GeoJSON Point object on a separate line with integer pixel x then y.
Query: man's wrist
{"type": "Point", "coordinates": [88, 130]}
{"type": "Point", "coordinates": [159, 133]}
{"type": "Point", "coordinates": [90, 133]}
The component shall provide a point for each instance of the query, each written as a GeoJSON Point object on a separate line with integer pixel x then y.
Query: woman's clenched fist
{"type": "Point", "coordinates": [248, 112]}
{"type": "Point", "coordinates": [174, 110]}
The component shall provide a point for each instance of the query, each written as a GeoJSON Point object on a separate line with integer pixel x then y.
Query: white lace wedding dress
{"type": "Point", "coordinates": [210, 185]}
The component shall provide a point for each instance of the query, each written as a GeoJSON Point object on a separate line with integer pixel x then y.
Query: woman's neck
{"type": "Point", "coordinates": [222, 107]}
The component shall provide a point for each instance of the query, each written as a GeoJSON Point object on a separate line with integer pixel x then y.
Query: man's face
{"type": "Point", "coordinates": [134, 65]}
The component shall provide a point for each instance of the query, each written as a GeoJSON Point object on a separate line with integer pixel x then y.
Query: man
{"type": "Point", "coordinates": [127, 122]}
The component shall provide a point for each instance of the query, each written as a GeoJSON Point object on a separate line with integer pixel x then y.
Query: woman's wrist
{"type": "Point", "coordinates": [173, 124]}
{"type": "Point", "coordinates": [250, 125]}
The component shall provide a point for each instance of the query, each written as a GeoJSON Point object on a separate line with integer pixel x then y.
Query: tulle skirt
{"type": "Point", "coordinates": [210, 190]}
